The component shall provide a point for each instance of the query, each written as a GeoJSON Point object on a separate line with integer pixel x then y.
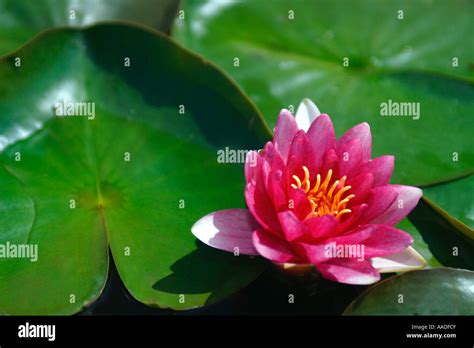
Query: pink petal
{"type": "Point", "coordinates": [329, 161]}
{"type": "Point", "coordinates": [292, 227]}
{"type": "Point", "coordinates": [305, 237]}
{"type": "Point", "coordinates": [301, 154]}
{"type": "Point", "coordinates": [360, 187]}
{"type": "Point", "coordinates": [276, 190]}
{"type": "Point", "coordinates": [350, 220]}
{"type": "Point", "coordinates": [381, 168]}
{"type": "Point", "coordinates": [298, 202]}
{"type": "Point", "coordinates": [321, 135]}
{"type": "Point", "coordinates": [315, 253]}
{"type": "Point", "coordinates": [350, 157]}
{"type": "Point", "coordinates": [308, 231]}
{"type": "Point", "coordinates": [227, 230]}
{"type": "Point", "coordinates": [407, 198]}
{"type": "Point", "coordinates": [380, 200]}
{"type": "Point", "coordinates": [285, 130]}
{"type": "Point", "coordinates": [377, 240]}
{"type": "Point", "coordinates": [271, 160]}
{"type": "Point", "coordinates": [362, 133]}
{"type": "Point", "coordinates": [257, 198]}
{"type": "Point", "coordinates": [253, 165]}
{"type": "Point", "coordinates": [271, 248]}
{"type": "Point", "coordinates": [321, 227]}
{"type": "Point", "coordinates": [261, 207]}
{"type": "Point", "coordinates": [364, 243]}
{"type": "Point", "coordinates": [349, 271]}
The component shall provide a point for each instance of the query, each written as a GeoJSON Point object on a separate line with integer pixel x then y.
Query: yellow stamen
{"type": "Point", "coordinates": [344, 201]}
{"type": "Point", "coordinates": [306, 179]}
{"type": "Point", "coordinates": [318, 182]}
{"type": "Point", "coordinates": [333, 187]}
{"type": "Point", "coordinates": [338, 195]}
{"type": "Point", "coordinates": [325, 183]}
{"type": "Point", "coordinates": [322, 200]}
{"type": "Point", "coordinates": [343, 180]}
{"type": "Point", "coordinates": [298, 181]}
{"type": "Point", "coordinates": [342, 212]}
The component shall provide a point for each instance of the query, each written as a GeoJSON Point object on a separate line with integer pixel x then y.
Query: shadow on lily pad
{"type": "Point", "coordinates": [195, 273]}
{"type": "Point", "coordinates": [448, 245]}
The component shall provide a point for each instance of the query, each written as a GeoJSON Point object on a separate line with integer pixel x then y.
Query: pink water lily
{"type": "Point", "coordinates": [316, 200]}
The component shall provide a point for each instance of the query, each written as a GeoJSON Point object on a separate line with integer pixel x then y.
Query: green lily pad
{"type": "Point", "coordinates": [419, 243]}
{"type": "Point", "coordinates": [443, 291]}
{"type": "Point", "coordinates": [19, 201]}
{"type": "Point", "coordinates": [449, 245]}
{"type": "Point", "coordinates": [281, 51]}
{"type": "Point", "coordinates": [21, 20]}
{"type": "Point", "coordinates": [133, 175]}
{"type": "Point", "coordinates": [439, 242]}
{"type": "Point", "coordinates": [456, 199]}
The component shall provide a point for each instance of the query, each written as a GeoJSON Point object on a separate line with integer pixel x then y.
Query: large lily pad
{"type": "Point", "coordinates": [21, 20]}
{"type": "Point", "coordinates": [449, 245]}
{"type": "Point", "coordinates": [443, 291]}
{"type": "Point", "coordinates": [280, 51]}
{"type": "Point", "coordinates": [135, 176]}
{"type": "Point", "coordinates": [456, 198]}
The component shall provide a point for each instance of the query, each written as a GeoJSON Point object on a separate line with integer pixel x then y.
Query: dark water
{"type": "Point", "coordinates": [268, 295]}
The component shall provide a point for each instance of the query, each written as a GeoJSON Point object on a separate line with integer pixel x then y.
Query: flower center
{"type": "Point", "coordinates": [325, 199]}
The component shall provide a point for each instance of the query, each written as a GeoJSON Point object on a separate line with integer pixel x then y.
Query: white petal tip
{"type": "Point", "coordinates": [230, 230]}
{"type": "Point", "coordinates": [406, 260]}
{"type": "Point", "coordinates": [204, 228]}
{"type": "Point", "coordinates": [306, 114]}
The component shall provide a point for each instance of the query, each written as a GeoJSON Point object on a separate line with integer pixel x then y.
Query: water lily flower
{"type": "Point", "coordinates": [320, 202]}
